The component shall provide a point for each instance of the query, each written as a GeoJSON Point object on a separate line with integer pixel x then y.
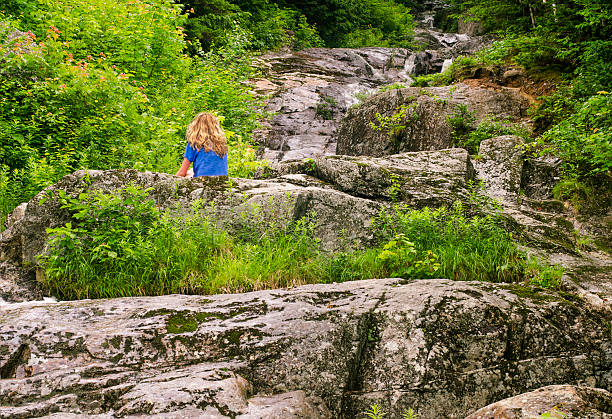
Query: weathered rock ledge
{"type": "Point", "coordinates": [442, 348]}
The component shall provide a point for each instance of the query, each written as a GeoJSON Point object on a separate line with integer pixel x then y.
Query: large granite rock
{"type": "Point", "coordinates": [287, 198]}
{"type": "Point", "coordinates": [439, 347]}
{"type": "Point", "coordinates": [561, 401]}
{"type": "Point", "coordinates": [430, 178]}
{"type": "Point", "coordinates": [501, 166]}
{"type": "Point", "coordinates": [422, 124]}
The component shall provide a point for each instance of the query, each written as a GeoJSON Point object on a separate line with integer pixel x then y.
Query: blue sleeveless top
{"type": "Point", "coordinates": [206, 163]}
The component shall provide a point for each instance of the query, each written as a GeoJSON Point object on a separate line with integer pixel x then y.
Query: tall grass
{"type": "Point", "coordinates": [121, 244]}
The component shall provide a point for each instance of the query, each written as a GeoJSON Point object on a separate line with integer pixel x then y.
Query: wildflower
{"type": "Point", "coordinates": [103, 55]}
{"type": "Point", "coordinates": [31, 35]}
{"type": "Point", "coordinates": [89, 57]}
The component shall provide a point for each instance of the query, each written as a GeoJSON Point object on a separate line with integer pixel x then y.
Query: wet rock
{"type": "Point", "coordinates": [309, 91]}
{"type": "Point", "coordinates": [440, 347]}
{"type": "Point", "coordinates": [415, 119]}
{"type": "Point", "coordinates": [562, 401]}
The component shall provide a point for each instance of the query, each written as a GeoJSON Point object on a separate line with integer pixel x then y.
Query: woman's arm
{"type": "Point", "coordinates": [183, 170]}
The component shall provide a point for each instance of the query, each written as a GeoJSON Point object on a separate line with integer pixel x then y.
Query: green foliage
{"type": "Point", "coordinates": [542, 275]}
{"type": "Point", "coordinates": [325, 108]}
{"type": "Point", "coordinates": [466, 248]}
{"type": "Point", "coordinates": [461, 120]}
{"type": "Point", "coordinates": [93, 87]}
{"type": "Point", "coordinates": [392, 86]}
{"type": "Point", "coordinates": [469, 137]}
{"type": "Point", "coordinates": [351, 23]}
{"type": "Point", "coordinates": [374, 412]}
{"type": "Point", "coordinates": [265, 25]}
{"type": "Point", "coordinates": [555, 413]}
{"type": "Point", "coordinates": [584, 140]}
{"type": "Point", "coordinates": [397, 121]}
{"type": "Point", "coordinates": [121, 244]}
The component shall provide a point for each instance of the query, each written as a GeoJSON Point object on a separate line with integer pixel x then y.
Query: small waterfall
{"type": "Point", "coordinates": [446, 64]}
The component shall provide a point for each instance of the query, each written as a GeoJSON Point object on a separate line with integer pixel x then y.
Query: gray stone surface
{"type": "Point", "coordinates": [425, 125]}
{"type": "Point", "coordinates": [236, 202]}
{"type": "Point", "coordinates": [560, 401]}
{"type": "Point", "coordinates": [308, 92]}
{"type": "Point", "coordinates": [440, 347]}
{"type": "Point", "coordinates": [430, 178]}
{"type": "Point", "coordinates": [500, 166]}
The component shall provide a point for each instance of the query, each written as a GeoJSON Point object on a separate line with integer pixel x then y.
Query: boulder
{"type": "Point", "coordinates": [471, 27]}
{"type": "Point", "coordinates": [429, 178]}
{"type": "Point", "coordinates": [500, 166]}
{"type": "Point", "coordinates": [440, 347]}
{"type": "Point", "coordinates": [309, 91]}
{"type": "Point", "coordinates": [415, 119]}
{"type": "Point", "coordinates": [539, 177]}
{"type": "Point", "coordinates": [235, 202]}
{"type": "Point", "coordinates": [560, 401]}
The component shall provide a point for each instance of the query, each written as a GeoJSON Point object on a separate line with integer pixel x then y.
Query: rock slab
{"type": "Point", "coordinates": [439, 347]}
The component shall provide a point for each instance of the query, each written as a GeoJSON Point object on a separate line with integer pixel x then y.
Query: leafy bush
{"type": "Point", "coordinates": [344, 23]}
{"type": "Point", "coordinates": [266, 25]}
{"type": "Point", "coordinates": [121, 244]}
{"type": "Point", "coordinates": [584, 140]}
{"type": "Point", "coordinates": [81, 92]}
{"type": "Point", "coordinates": [465, 135]}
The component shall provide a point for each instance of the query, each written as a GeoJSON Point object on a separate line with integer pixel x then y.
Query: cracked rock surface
{"type": "Point", "coordinates": [563, 400]}
{"type": "Point", "coordinates": [440, 347]}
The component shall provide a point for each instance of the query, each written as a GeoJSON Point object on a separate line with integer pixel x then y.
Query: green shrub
{"type": "Point", "coordinates": [465, 135]}
{"type": "Point", "coordinates": [72, 99]}
{"type": "Point", "coordinates": [466, 248]}
{"type": "Point", "coordinates": [121, 244]}
{"type": "Point", "coordinates": [584, 140]}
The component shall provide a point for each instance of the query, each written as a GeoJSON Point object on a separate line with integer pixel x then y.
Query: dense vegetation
{"type": "Point", "coordinates": [567, 43]}
{"type": "Point", "coordinates": [121, 244]}
{"type": "Point", "coordinates": [272, 23]}
{"type": "Point", "coordinates": [93, 86]}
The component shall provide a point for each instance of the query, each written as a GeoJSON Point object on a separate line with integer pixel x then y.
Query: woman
{"type": "Point", "coordinates": [206, 147]}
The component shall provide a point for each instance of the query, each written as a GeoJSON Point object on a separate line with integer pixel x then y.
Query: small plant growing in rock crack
{"type": "Point", "coordinates": [325, 108]}
{"type": "Point", "coordinates": [395, 189]}
{"type": "Point", "coordinates": [311, 166]}
{"type": "Point", "coordinates": [393, 86]}
{"type": "Point", "coordinates": [555, 413]}
{"type": "Point", "coordinates": [461, 121]}
{"type": "Point", "coordinates": [396, 122]}
{"type": "Point", "coordinates": [376, 412]}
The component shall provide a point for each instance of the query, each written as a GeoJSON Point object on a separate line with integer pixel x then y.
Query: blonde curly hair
{"type": "Point", "coordinates": [205, 132]}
